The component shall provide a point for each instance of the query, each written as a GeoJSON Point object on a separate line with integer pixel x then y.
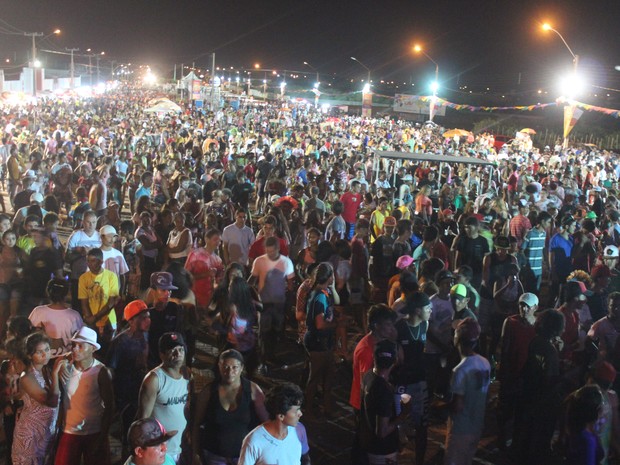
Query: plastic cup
{"type": "Point", "coordinates": [405, 398]}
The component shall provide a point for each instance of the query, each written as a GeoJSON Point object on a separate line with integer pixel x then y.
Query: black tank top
{"type": "Point", "coordinates": [223, 431]}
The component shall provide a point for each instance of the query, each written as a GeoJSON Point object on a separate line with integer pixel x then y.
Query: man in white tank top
{"type": "Point", "coordinates": [87, 403]}
{"type": "Point", "coordinates": [165, 390]}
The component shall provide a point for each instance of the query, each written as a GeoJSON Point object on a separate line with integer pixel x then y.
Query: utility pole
{"type": "Point", "coordinates": [72, 65]}
{"type": "Point", "coordinates": [98, 58]}
{"type": "Point", "coordinates": [214, 95]}
{"type": "Point", "coordinates": [34, 59]}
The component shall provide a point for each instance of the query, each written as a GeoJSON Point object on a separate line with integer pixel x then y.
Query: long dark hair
{"type": "Point", "coordinates": [322, 274]}
{"type": "Point", "coordinates": [240, 295]}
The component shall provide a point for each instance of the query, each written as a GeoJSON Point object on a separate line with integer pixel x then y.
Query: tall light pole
{"type": "Point", "coordinates": [98, 58]}
{"type": "Point", "coordinates": [72, 65]}
{"type": "Point", "coordinates": [547, 27]}
{"type": "Point", "coordinates": [316, 85]}
{"type": "Point", "coordinates": [435, 85]}
{"type": "Point", "coordinates": [366, 93]}
{"type": "Point", "coordinates": [34, 59]}
{"type": "Point", "coordinates": [367, 68]}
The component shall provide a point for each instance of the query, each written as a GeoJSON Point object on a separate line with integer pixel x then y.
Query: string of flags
{"type": "Point", "coordinates": [559, 101]}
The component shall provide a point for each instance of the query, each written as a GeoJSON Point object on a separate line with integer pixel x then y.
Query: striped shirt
{"type": "Point", "coordinates": [533, 246]}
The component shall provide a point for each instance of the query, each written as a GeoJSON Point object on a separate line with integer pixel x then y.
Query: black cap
{"type": "Point", "coordinates": [147, 432]}
{"type": "Point", "coordinates": [385, 350]}
{"type": "Point", "coordinates": [169, 341]}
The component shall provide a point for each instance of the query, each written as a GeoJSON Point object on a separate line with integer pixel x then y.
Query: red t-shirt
{"type": "Point", "coordinates": [351, 203]}
{"type": "Point", "coordinates": [362, 362]}
{"type": "Point", "coordinates": [517, 337]}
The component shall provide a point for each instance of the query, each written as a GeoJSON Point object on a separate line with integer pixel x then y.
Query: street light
{"type": "Point", "coordinates": [367, 68]}
{"type": "Point", "coordinates": [34, 55]}
{"type": "Point", "coordinates": [547, 27]}
{"type": "Point", "coordinates": [315, 70]}
{"type": "Point", "coordinates": [435, 85]}
{"type": "Point", "coordinates": [573, 84]}
{"type": "Point", "coordinates": [316, 84]}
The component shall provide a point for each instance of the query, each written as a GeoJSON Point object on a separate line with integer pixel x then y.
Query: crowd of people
{"type": "Point", "coordinates": [249, 220]}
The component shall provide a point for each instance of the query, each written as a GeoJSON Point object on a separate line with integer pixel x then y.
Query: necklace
{"type": "Point", "coordinates": [416, 336]}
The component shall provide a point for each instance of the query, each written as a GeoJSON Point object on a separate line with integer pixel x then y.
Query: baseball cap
{"type": "Point", "coordinates": [162, 280]}
{"type": "Point", "coordinates": [501, 242]}
{"type": "Point", "coordinates": [404, 261]}
{"type": "Point", "coordinates": [416, 300]}
{"type": "Point", "coordinates": [529, 299]}
{"type": "Point", "coordinates": [611, 251]}
{"type": "Point", "coordinates": [107, 230]}
{"type": "Point", "coordinates": [169, 341]}
{"type": "Point", "coordinates": [523, 203]}
{"type": "Point", "coordinates": [447, 212]}
{"type": "Point", "coordinates": [574, 290]}
{"type": "Point", "coordinates": [36, 197]}
{"type": "Point", "coordinates": [443, 274]}
{"type": "Point", "coordinates": [133, 309]}
{"type": "Point", "coordinates": [389, 221]}
{"type": "Point", "coordinates": [568, 220]}
{"type": "Point", "coordinates": [600, 271]}
{"type": "Point", "coordinates": [148, 432]}
{"type": "Point", "coordinates": [591, 215]}
{"type": "Point", "coordinates": [385, 350]}
{"type": "Point", "coordinates": [459, 291]}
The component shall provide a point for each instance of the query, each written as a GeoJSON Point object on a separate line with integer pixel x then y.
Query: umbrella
{"type": "Point", "coordinates": [456, 132]}
{"type": "Point", "coordinates": [528, 131]}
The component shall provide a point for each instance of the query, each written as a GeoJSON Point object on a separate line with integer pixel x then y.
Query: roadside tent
{"type": "Point", "coordinates": [163, 106]}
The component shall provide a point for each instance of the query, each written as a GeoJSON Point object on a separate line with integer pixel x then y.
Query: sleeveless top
{"type": "Point", "coordinates": [173, 241]}
{"type": "Point", "coordinates": [34, 429]}
{"type": "Point", "coordinates": [224, 430]}
{"type": "Point", "coordinates": [496, 271]}
{"type": "Point", "coordinates": [169, 407]}
{"type": "Point", "coordinates": [82, 401]}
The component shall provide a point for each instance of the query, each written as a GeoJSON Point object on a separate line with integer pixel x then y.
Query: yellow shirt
{"type": "Point", "coordinates": [377, 224]}
{"type": "Point", "coordinates": [98, 288]}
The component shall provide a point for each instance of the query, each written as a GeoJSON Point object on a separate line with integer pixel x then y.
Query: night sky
{"type": "Point", "coordinates": [480, 43]}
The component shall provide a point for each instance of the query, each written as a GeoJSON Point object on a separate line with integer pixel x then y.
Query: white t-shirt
{"type": "Point", "coordinates": [59, 325]}
{"type": "Point", "coordinates": [237, 242]}
{"type": "Point", "coordinates": [80, 239]}
{"type": "Point", "coordinates": [272, 277]}
{"type": "Point", "coordinates": [114, 261]}
{"type": "Point", "coordinates": [261, 448]}
{"type": "Point", "coordinates": [470, 379]}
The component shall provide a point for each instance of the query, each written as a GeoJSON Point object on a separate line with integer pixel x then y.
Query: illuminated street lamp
{"type": "Point", "coordinates": [434, 85]}
{"type": "Point", "coordinates": [547, 27]}
{"type": "Point", "coordinates": [316, 84]}
{"type": "Point", "coordinates": [367, 69]}
{"type": "Point", "coordinates": [572, 85]}
{"type": "Point", "coordinates": [34, 55]}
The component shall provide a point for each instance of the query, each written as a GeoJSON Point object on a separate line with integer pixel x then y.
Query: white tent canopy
{"type": "Point", "coordinates": [163, 105]}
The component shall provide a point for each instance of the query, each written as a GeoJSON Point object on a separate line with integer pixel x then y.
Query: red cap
{"type": "Point", "coordinates": [133, 309]}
